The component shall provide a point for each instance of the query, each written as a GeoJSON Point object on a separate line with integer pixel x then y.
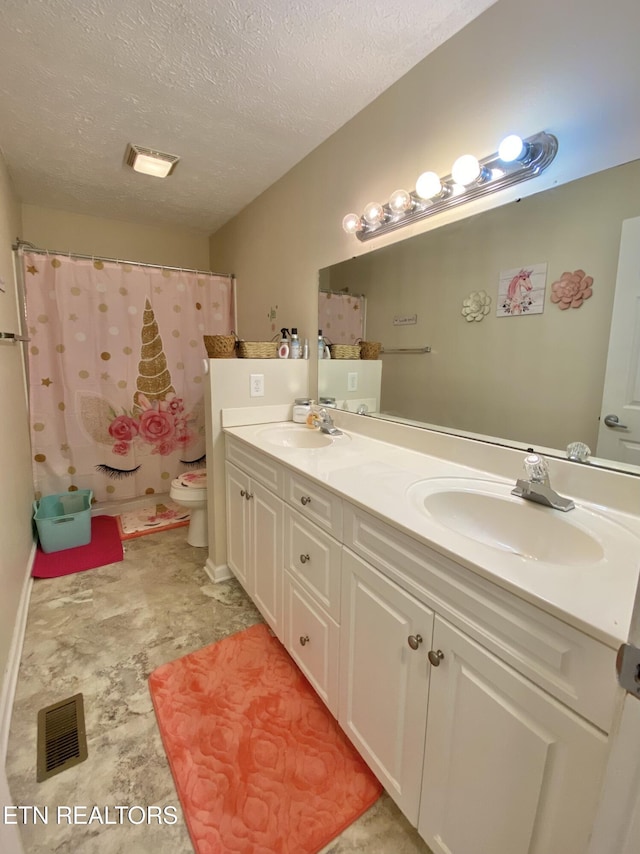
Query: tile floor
{"type": "Point", "coordinates": [101, 633]}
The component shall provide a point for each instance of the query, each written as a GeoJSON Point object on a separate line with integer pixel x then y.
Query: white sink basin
{"type": "Point", "coordinates": [296, 436]}
{"type": "Point", "coordinates": [486, 512]}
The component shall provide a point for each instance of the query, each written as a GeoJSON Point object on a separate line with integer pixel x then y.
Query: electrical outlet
{"type": "Point", "coordinates": [352, 381]}
{"type": "Point", "coordinates": [257, 385]}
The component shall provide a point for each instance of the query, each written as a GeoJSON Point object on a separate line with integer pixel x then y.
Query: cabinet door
{"type": "Point", "coordinates": [312, 639]}
{"type": "Point", "coordinates": [267, 527]}
{"type": "Point", "coordinates": [508, 769]}
{"type": "Point", "coordinates": [383, 681]}
{"type": "Point", "coordinates": [238, 529]}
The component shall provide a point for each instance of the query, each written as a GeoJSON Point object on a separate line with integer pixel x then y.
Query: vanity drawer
{"type": "Point", "coordinates": [314, 558]}
{"type": "Point", "coordinates": [318, 504]}
{"type": "Point", "coordinates": [573, 667]}
{"type": "Point", "coordinates": [261, 467]}
{"type": "Point", "coordinates": [313, 640]}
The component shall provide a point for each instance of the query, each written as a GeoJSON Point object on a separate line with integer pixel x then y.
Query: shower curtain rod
{"type": "Point", "coordinates": [24, 244]}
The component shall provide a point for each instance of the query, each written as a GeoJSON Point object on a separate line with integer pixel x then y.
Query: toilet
{"type": "Point", "coordinates": [190, 490]}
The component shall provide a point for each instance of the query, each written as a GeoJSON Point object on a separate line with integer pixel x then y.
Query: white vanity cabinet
{"type": "Point", "coordinates": [484, 716]}
{"type": "Point", "coordinates": [503, 767]}
{"type": "Point", "coordinates": [255, 521]}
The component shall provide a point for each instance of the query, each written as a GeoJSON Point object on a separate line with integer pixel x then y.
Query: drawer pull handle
{"type": "Point", "coordinates": [304, 639]}
{"type": "Point", "coordinates": [304, 558]}
{"type": "Point", "coordinates": [305, 500]}
{"type": "Point", "coordinates": [414, 641]}
{"type": "Point", "coordinates": [435, 657]}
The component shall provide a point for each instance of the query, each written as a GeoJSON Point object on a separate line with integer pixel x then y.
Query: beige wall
{"type": "Point", "coordinates": [16, 494]}
{"type": "Point", "coordinates": [512, 69]}
{"type": "Point", "coordinates": [536, 379]}
{"type": "Point", "coordinates": [128, 241]}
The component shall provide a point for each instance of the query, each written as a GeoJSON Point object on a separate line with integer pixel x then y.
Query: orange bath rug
{"type": "Point", "coordinates": [260, 765]}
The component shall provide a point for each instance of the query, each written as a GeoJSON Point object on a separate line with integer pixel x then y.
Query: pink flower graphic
{"type": "Point", "coordinates": [123, 428]}
{"type": "Point", "coordinates": [163, 424]}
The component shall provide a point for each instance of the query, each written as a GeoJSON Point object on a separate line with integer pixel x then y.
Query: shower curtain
{"type": "Point", "coordinates": [116, 372]}
{"type": "Point", "coordinates": [341, 317]}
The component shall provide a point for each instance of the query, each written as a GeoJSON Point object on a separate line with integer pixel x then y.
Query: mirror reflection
{"type": "Point", "coordinates": [516, 307]}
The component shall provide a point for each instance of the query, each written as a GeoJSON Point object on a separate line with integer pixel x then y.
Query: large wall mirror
{"type": "Point", "coordinates": [529, 374]}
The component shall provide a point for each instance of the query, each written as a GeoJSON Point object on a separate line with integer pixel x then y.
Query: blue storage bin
{"type": "Point", "coordinates": [63, 520]}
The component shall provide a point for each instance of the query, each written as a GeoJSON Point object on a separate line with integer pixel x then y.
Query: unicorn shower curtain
{"type": "Point", "coordinates": [341, 317]}
{"type": "Point", "coordinates": [116, 374]}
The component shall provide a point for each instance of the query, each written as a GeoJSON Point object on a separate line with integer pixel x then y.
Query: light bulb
{"type": "Point", "coordinates": [428, 185]}
{"type": "Point", "coordinates": [511, 148]}
{"type": "Point", "coordinates": [352, 223]}
{"type": "Point", "coordinates": [374, 213]}
{"type": "Point", "coordinates": [465, 170]}
{"type": "Point", "coordinates": [400, 201]}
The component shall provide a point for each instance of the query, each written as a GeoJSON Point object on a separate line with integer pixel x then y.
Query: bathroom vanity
{"type": "Point", "coordinates": [472, 667]}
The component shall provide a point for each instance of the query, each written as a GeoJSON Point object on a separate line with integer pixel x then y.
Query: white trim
{"type": "Point", "coordinates": [10, 681]}
{"type": "Point", "coordinates": [217, 573]}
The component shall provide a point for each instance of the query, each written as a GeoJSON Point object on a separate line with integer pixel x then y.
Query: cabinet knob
{"type": "Point", "coordinates": [305, 500]}
{"type": "Point", "coordinates": [304, 639]}
{"type": "Point", "coordinates": [248, 495]}
{"type": "Point", "coordinates": [435, 656]}
{"type": "Point", "coordinates": [414, 641]}
{"type": "Point", "coordinates": [242, 493]}
{"type": "Point", "coordinates": [304, 558]}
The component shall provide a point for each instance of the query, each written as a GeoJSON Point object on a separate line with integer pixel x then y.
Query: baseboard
{"type": "Point", "coordinates": [8, 691]}
{"type": "Point", "coordinates": [217, 573]}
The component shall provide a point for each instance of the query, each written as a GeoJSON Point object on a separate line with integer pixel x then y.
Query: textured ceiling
{"type": "Point", "coordinates": [241, 90]}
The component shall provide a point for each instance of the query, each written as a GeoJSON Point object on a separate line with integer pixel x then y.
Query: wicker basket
{"type": "Point", "coordinates": [257, 349]}
{"type": "Point", "coordinates": [220, 346]}
{"type": "Point", "coordinates": [370, 349]}
{"type": "Point", "coordinates": [345, 351]}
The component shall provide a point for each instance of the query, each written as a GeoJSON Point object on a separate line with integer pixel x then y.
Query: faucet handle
{"type": "Point", "coordinates": [537, 468]}
{"type": "Point", "coordinates": [578, 452]}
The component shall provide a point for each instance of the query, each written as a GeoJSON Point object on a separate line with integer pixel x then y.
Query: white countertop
{"type": "Point", "coordinates": [596, 598]}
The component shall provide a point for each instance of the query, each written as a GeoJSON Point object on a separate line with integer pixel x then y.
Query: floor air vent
{"type": "Point", "coordinates": [62, 741]}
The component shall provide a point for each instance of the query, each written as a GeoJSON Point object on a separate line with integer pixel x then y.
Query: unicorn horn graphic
{"type": "Point", "coordinates": [154, 379]}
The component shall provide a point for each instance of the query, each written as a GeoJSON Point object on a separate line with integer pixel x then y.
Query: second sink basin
{"type": "Point", "coordinates": [485, 511]}
{"type": "Point", "coordinates": [294, 436]}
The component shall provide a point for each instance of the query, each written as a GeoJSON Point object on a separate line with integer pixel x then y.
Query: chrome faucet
{"type": "Point", "coordinates": [325, 422]}
{"type": "Point", "coordinates": [537, 487]}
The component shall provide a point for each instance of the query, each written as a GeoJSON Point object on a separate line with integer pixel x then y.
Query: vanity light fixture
{"type": "Point", "coordinates": [516, 160]}
{"type": "Point", "coordinates": [150, 162]}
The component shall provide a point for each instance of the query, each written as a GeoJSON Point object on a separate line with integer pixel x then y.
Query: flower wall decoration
{"type": "Point", "coordinates": [476, 306]}
{"type": "Point", "coordinates": [572, 289]}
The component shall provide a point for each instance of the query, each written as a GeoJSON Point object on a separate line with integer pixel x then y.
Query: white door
{"type": "Point", "coordinates": [617, 825]}
{"type": "Point", "coordinates": [267, 523]}
{"type": "Point", "coordinates": [507, 769]}
{"type": "Point", "coordinates": [619, 431]}
{"type": "Point", "coordinates": [384, 678]}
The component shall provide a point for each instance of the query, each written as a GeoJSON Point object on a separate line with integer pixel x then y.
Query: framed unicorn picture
{"type": "Point", "coordinates": [521, 291]}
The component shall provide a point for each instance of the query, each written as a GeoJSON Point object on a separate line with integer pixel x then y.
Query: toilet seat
{"type": "Point", "coordinates": [191, 480]}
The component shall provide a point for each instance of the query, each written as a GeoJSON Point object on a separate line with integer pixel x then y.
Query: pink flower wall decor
{"type": "Point", "coordinates": [572, 289]}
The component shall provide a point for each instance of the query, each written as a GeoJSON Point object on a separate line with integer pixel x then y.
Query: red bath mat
{"type": "Point", "coordinates": [105, 547]}
{"type": "Point", "coordinates": [259, 763]}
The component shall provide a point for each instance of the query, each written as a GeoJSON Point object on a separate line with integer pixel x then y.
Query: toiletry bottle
{"type": "Point", "coordinates": [283, 349]}
{"type": "Point", "coordinates": [305, 349]}
{"type": "Point", "coordinates": [295, 350]}
{"type": "Point", "coordinates": [320, 345]}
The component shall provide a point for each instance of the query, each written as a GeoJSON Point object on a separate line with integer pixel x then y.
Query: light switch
{"type": "Point", "coordinates": [352, 381]}
{"type": "Point", "coordinates": [257, 385]}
